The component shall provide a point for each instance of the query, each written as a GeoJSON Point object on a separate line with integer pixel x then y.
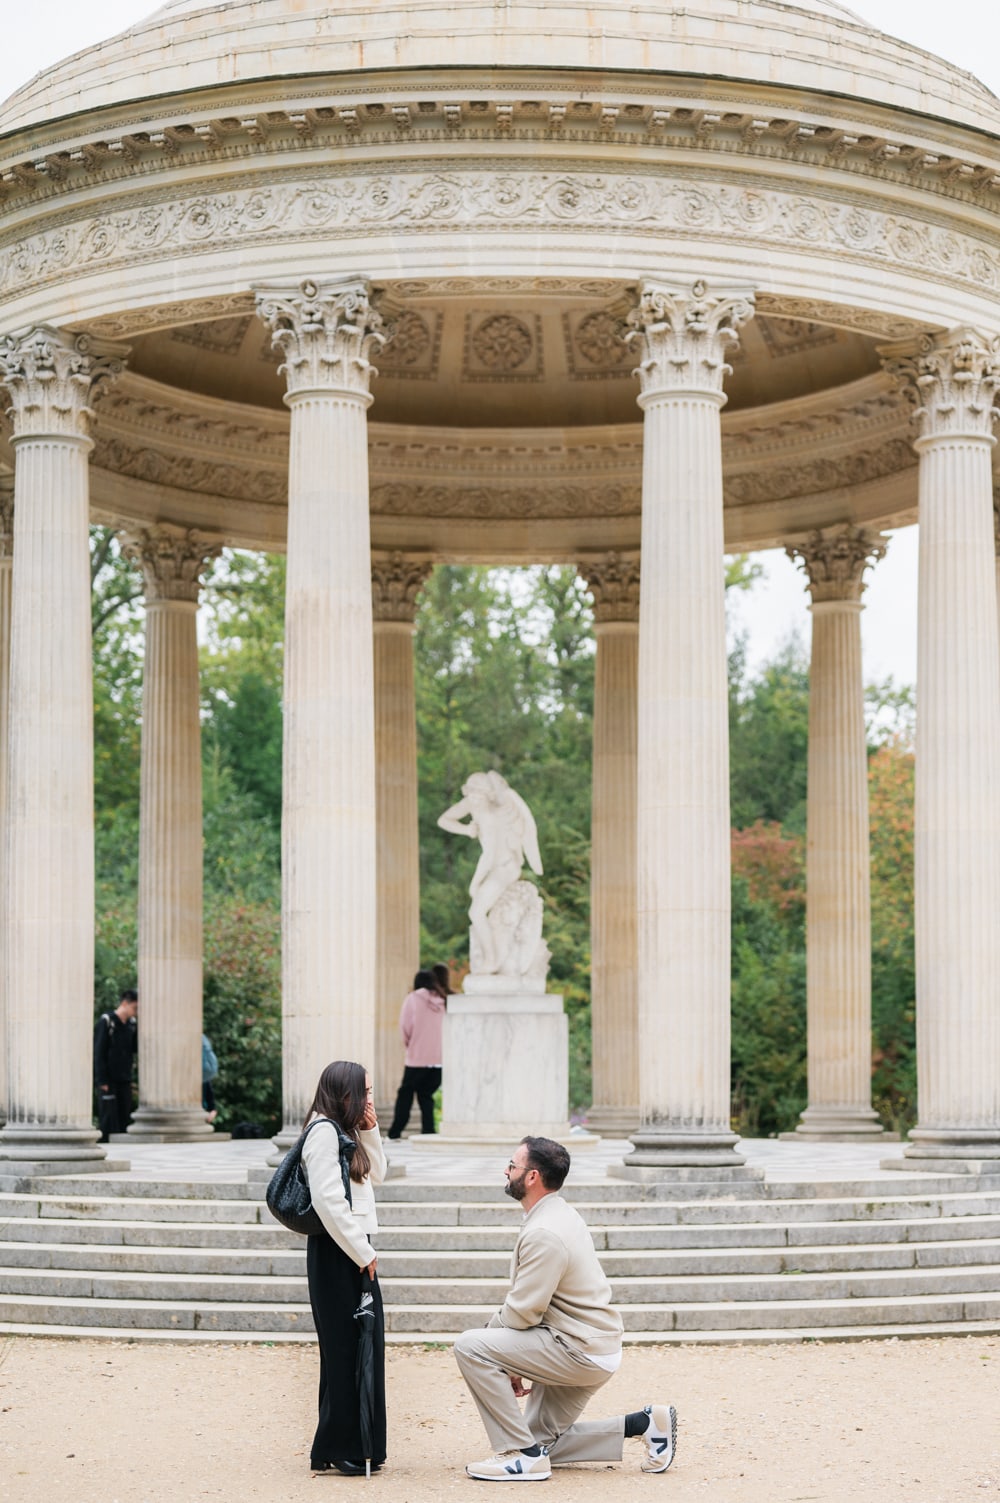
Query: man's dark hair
{"type": "Point", "coordinates": [550, 1159]}
{"type": "Point", "coordinates": [129, 995]}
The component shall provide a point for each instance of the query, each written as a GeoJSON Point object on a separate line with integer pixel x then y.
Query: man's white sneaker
{"type": "Point", "coordinates": [660, 1438]}
{"type": "Point", "coordinates": [512, 1466]}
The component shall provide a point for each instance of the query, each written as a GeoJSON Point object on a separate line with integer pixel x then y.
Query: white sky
{"type": "Point", "coordinates": [37, 33]}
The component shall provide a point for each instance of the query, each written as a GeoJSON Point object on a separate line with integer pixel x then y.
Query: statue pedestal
{"type": "Point", "coordinates": [506, 1068]}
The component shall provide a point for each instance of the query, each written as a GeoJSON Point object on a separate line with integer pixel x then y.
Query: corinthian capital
{"type": "Point", "coordinates": [172, 560]}
{"type": "Point", "coordinates": [834, 561]}
{"type": "Point", "coordinates": [614, 583]}
{"type": "Point", "coordinates": [951, 380]}
{"type": "Point", "coordinates": [324, 334]}
{"type": "Point", "coordinates": [683, 336]}
{"type": "Point", "coordinates": [396, 583]}
{"type": "Point", "coordinates": [51, 377]}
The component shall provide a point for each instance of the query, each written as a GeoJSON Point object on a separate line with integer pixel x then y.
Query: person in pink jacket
{"type": "Point", "coordinates": [420, 1022]}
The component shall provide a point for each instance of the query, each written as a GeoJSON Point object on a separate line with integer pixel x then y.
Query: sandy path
{"type": "Point", "coordinates": [870, 1422]}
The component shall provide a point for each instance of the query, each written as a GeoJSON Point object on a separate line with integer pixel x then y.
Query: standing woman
{"type": "Point", "coordinates": [344, 1153]}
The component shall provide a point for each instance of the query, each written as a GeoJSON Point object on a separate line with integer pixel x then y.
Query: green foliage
{"type": "Point", "coordinates": [768, 983]}
{"type": "Point", "coordinates": [894, 1077]}
{"type": "Point", "coordinates": [769, 739]}
{"type": "Point", "coordinates": [242, 1016]}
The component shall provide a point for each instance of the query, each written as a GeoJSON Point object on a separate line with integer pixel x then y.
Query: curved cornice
{"type": "Point", "coordinates": [653, 118]}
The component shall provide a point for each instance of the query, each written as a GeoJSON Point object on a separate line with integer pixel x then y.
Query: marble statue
{"type": "Point", "coordinates": [505, 914]}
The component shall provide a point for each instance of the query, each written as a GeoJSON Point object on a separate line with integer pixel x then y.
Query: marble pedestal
{"type": "Point", "coordinates": [506, 1068]}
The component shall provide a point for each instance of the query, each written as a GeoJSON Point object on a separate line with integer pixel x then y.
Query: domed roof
{"type": "Point", "coordinates": [188, 45]}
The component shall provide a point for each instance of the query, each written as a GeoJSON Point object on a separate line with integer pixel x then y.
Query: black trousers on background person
{"type": "Point", "coordinates": [334, 1293]}
{"type": "Point", "coordinates": [420, 1081]}
{"type": "Point", "coordinates": [114, 1107]}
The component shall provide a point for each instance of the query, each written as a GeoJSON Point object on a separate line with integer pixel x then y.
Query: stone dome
{"type": "Point", "coordinates": [187, 46]}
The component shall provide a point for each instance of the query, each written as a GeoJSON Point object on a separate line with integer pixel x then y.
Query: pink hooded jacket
{"type": "Point", "coordinates": [420, 1023]}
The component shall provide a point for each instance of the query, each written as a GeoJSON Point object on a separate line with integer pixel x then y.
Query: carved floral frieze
{"type": "Point", "coordinates": [146, 228]}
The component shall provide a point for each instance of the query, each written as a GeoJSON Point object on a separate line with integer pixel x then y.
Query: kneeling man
{"type": "Point", "coordinates": [557, 1330]}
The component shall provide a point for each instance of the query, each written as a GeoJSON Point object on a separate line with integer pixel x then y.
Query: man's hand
{"type": "Point", "coordinates": [517, 1384]}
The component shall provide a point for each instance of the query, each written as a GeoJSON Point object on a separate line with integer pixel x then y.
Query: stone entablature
{"type": "Point", "coordinates": [215, 451]}
{"type": "Point", "coordinates": [940, 265]}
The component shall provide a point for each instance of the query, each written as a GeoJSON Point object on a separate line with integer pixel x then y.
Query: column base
{"type": "Point", "coordinates": [667, 1148]}
{"type": "Point", "coordinates": [943, 1150]}
{"type": "Point", "coordinates": [181, 1124]}
{"type": "Point", "coordinates": [614, 1121]}
{"type": "Point", "coordinates": [835, 1124]}
{"type": "Point", "coordinates": [54, 1150]}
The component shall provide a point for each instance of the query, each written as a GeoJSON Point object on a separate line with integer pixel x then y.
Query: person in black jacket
{"type": "Point", "coordinates": [115, 1044]}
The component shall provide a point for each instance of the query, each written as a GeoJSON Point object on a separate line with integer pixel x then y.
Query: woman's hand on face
{"type": "Point", "coordinates": [370, 1118]}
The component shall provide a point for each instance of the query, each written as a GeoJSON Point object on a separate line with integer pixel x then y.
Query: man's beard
{"type": "Point", "coordinates": [515, 1188]}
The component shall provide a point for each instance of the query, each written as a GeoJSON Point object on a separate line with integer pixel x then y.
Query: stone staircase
{"type": "Point", "coordinates": [761, 1262]}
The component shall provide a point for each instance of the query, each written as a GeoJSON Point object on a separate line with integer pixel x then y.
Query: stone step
{"type": "Point", "coordinates": [457, 1211]}
{"type": "Point", "coordinates": [862, 1318]}
{"type": "Point", "coordinates": [451, 1265]}
{"type": "Point", "coordinates": [112, 1208]}
{"type": "Point", "coordinates": [104, 1233]}
{"type": "Point", "coordinates": [285, 1286]}
{"type": "Point", "coordinates": [696, 1213]}
{"type": "Point", "coordinates": [460, 1240]}
{"type": "Point", "coordinates": [233, 1186]}
{"type": "Point", "coordinates": [739, 1337]}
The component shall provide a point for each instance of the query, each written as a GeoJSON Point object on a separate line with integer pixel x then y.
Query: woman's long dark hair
{"type": "Point", "coordinates": [342, 1095]}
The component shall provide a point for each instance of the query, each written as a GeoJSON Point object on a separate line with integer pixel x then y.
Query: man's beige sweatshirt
{"type": "Point", "coordinates": [557, 1281]}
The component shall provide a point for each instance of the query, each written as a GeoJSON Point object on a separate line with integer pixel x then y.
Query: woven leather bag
{"type": "Point", "coordinates": [288, 1198]}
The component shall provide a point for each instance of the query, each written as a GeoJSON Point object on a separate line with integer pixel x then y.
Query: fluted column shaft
{"type": "Point", "coordinates": [957, 795]}
{"type": "Point", "coordinates": [328, 813]}
{"type": "Point", "coordinates": [49, 857]}
{"type": "Point", "coordinates": [683, 736]}
{"type": "Point", "coordinates": [170, 842]}
{"type": "Point", "coordinates": [838, 888]}
{"type": "Point", "coordinates": [6, 595]}
{"type": "Point", "coordinates": [396, 582]}
{"type": "Point", "coordinates": [614, 1013]}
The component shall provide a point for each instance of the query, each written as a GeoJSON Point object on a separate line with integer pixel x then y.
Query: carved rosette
{"type": "Point", "coordinates": [834, 561]}
{"type": "Point", "coordinates": [324, 334]}
{"type": "Point", "coordinates": [683, 336]}
{"type": "Point", "coordinates": [51, 377]}
{"type": "Point", "coordinates": [951, 380]}
{"type": "Point", "coordinates": [6, 516]}
{"type": "Point", "coordinates": [396, 583]}
{"type": "Point", "coordinates": [172, 561]}
{"type": "Point", "coordinates": [614, 583]}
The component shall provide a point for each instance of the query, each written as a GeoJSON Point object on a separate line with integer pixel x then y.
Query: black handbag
{"type": "Point", "coordinates": [288, 1197]}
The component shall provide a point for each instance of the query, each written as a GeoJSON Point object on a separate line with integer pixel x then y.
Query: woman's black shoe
{"type": "Point", "coordinates": [349, 1468]}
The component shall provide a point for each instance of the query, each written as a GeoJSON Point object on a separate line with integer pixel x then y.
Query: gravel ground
{"type": "Point", "coordinates": [867, 1422]}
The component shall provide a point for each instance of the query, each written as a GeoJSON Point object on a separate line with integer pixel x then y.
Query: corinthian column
{"type": "Point", "coordinates": [325, 334]}
{"type": "Point", "coordinates": [683, 746]}
{"type": "Point", "coordinates": [396, 583]}
{"type": "Point", "coordinates": [6, 579]}
{"type": "Point", "coordinates": [953, 381]}
{"type": "Point", "coordinates": [49, 859]}
{"type": "Point", "coordinates": [170, 840]}
{"type": "Point", "coordinates": [614, 1013]}
{"type": "Point", "coordinates": [838, 895]}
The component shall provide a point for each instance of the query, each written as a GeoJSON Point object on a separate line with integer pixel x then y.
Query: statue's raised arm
{"type": "Point", "coordinates": [505, 913]}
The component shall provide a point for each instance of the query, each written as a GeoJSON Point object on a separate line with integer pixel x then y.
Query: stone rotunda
{"type": "Point", "coordinates": [373, 284]}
